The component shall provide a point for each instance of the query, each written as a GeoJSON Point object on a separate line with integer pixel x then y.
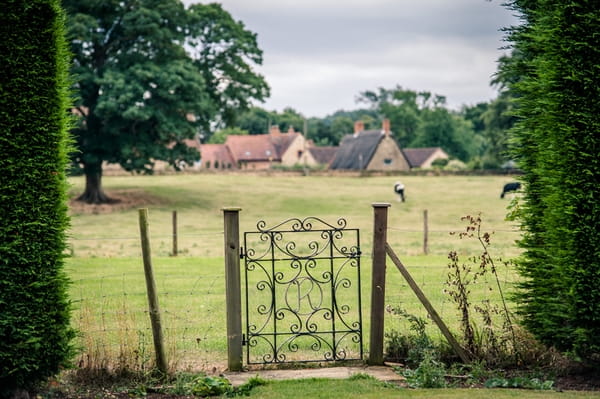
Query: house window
{"type": "Point", "coordinates": [387, 161]}
{"type": "Point", "coordinates": [300, 154]}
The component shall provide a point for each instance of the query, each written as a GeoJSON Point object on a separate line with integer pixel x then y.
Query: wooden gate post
{"type": "Point", "coordinates": [233, 288]}
{"type": "Point", "coordinates": [378, 283]}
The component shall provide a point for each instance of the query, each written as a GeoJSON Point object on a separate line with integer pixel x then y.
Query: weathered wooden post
{"type": "Point", "coordinates": [174, 233]}
{"type": "Point", "coordinates": [154, 310]}
{"type": "Point", "coordinates": [233, 288]}
{"type": "Point", "coordinates": [425, 233]}
{"type": "Point", "coordinates": [378, 283]}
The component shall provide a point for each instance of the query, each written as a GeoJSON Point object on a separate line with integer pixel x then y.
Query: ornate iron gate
{"type": "Point", "coordinates": [302, 292]}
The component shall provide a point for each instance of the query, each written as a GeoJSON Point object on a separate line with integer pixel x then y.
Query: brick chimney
{"type": "Point", "coordinates": [359, 126]}
{"type": "Point", "coordinates": [275, 130]}
{"type": "Point", "coordinates": [385, 127]}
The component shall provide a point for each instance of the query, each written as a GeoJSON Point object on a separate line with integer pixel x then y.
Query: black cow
{"type": "Point", "coordinates": [508, 187]}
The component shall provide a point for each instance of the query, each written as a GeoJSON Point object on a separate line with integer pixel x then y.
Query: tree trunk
{"type": "Point", "coordinates": [94, 194]}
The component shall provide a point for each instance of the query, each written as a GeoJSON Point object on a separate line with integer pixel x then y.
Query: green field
{"type": "Point", "coordinates": [199, 199]}
{"type": "Point", "coordinates": [108, 287]}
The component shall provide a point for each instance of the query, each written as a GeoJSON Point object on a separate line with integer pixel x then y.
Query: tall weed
{"type": "Point", "coordinates": [490, 337]}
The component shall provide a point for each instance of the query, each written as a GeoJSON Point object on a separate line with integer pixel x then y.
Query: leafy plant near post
{"type": "Point", "coordinates": [490, 342]}
{"type": "Point", "coordinates": [554, 77]}
{"type": "Point", "coordinates": [35, 337]}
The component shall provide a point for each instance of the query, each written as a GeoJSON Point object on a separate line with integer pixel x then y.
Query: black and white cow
{"type": "Point", "coordinates": [508, 187]}
{"type": "Point", "coordinates": [399, 189]}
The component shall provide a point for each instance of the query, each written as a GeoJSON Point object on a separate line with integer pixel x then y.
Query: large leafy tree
{"type": "Point", "coordinates": [402, 107]}
{"type": "Point", "coordinates": [35, 332]}
{"type": "Point", "coordinates": [151, 73]}
{"type": "Point", "coordinates": [554, 77]}
{"type": "Point", "coordinates": [421, 119]}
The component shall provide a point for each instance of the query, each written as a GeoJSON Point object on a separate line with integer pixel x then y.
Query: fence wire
{"type": "Point", "coordinates": [110, 305]}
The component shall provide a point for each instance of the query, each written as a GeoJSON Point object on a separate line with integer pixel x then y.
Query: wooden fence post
{"type": "Point", "coordinates": [233, 288]}
{"type": "Point", "coordinates": [154, 310]}
{"type": "Point", "coordinates": [378, 283]}
{"type": "Point", "coordinates": [174, 233]}
{"type": "Point", "coordinates": [425, 233]}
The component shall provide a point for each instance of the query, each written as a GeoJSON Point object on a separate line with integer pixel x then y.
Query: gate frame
{"type": "Point", "coordinates": [331, 234]}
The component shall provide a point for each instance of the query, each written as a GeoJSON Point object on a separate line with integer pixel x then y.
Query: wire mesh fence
{"type": "Point", "coordinates": [111, 312]}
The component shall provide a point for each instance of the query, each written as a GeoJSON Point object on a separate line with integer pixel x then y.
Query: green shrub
{"type": "Point", "coordinates": [429, 374]}
{"type": "Point", "coordinates": [409, 348]}
{"type": "Point", "coordinates": [35, 337]}
{"type": "Point", "coordinates": [555, 142]}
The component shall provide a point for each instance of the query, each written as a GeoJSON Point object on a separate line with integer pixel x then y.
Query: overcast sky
{"type": "Point", "coordinates": [320, 54]}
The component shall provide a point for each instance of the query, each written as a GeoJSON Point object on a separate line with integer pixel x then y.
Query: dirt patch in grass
{"type": "Point", "coordinates": [123, 200]}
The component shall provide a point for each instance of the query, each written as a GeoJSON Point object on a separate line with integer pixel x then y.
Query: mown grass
{"type": "Point", "coordinates": [106, 267]}
{"type": "Point", "coordinates": [367, 388]}
{"type": "Point", "coordinates": [199, 199]}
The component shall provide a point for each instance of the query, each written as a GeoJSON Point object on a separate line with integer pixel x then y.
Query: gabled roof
{"type": "Point", "coordinates": [257, 147]}
{"type": "Point", "coordinates": [356, 150]}
{"type": "Point", "coordinates": [209, 153]}
{"type": "Point", "coordinates": [417, 156]}
{"type": "Point", "coordinates": [323, 155]}
{"type": "Point", "coordinates": [282, 142]}
{"type": "Point", "coordinates": [261, 147]}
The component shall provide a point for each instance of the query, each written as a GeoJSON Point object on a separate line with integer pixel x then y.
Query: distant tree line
{"type": "Point", "coordinates": [475, 135]}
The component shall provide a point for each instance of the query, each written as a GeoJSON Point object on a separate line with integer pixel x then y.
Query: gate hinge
{"type": "Point", "coordinates": [242, 254]}
{"type": "Point", "coordinates": [244, 342]}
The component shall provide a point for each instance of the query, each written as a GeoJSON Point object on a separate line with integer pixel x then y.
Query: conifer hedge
{"type": "Point", "coordinates": [35, 336]}
{"type": "Point", "coordinates": [557, 143]}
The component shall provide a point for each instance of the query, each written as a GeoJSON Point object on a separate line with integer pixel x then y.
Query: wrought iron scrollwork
{"type": "Point", "coordinates": [303, 292]}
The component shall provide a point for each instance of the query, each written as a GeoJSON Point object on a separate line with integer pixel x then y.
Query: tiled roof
{"type": "Point", "coordinates": [323, 155]}
{"type": "Point", "coordinates": [417, 156]}
{"type": "Point", "coordinates": [256, 147]}
{"type": "Point", "coordinates": [209, 153]}
{"type": "Point", "coordinates": [282, 142]}
{"type": "Point", "coordinates": [260, 147]}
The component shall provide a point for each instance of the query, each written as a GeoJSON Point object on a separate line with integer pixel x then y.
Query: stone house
{"type": "Point", "coordinates": [375, 150]}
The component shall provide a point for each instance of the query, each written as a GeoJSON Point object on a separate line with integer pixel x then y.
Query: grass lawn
{"type": "Point", "coordinates": [199, 199]}
{"type": "Point", "coordinates": [372, 389]}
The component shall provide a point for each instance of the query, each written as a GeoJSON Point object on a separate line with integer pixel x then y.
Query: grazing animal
{"type": "Point", "coordinates": [508, 187]}
{"type": "Point", "coordinates": [399, 189]}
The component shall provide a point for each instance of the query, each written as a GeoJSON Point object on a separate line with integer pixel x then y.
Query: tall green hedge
{"type": "Point", "coordinates": [35, 336]}
{"type": "Point", "coordinates": [557, 143]}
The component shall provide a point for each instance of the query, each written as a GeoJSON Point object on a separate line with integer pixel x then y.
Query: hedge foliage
{"type": "Point", "coordinates": [35, 336]}
{"type": "Point", "coordinates": [556, 65]}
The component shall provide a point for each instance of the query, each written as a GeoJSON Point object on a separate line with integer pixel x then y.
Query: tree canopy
{"type": "Point", "coordinates": [421, 119]}
{"type": "Point", "coordinates": [152, 73]}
